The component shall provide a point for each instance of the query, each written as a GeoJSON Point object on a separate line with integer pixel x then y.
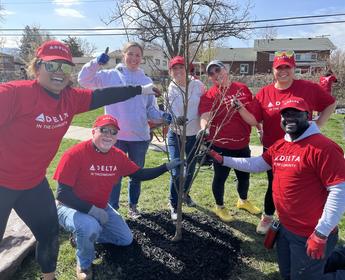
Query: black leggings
{"type": "Point", "coordinates": [269, 207]}
{"type": "Point", "coordinates": [221, 173]}
{"type": "Point", "coordinates": [36, 207]}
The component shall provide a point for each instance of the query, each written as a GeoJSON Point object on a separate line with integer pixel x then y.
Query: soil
{"type": "Point", "coordinates": [207, 250]}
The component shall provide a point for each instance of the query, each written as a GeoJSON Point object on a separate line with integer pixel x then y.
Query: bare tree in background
{"type": "Point", "coordinates": [180, 28]}
{"type": "Point", "coordinates": [165, 22]}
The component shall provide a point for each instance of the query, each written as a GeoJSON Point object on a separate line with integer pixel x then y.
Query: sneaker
{"type": "Point", "coordinates": [188, 200]}
{"type": "Point", "coordinates": [133, 212]}
{"type": "Point", "coordinates": [223, 213]}
{"type": "Point", "coordinates": [84, 274]}
{"type": "Point", "coordinates": [173, 213]}
{"type": "Point", "coordinates": [264, 224]}
{"type": "Point", "coordinates": [247, 205]}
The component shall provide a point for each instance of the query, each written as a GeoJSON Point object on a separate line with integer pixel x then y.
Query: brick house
{"type": "Point", "coordinates": [311, 54]}
{"type": "Point", "coordinates": [6, 62]}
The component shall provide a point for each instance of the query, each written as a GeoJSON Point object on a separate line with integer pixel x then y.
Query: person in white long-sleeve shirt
{"type": "Point", "coordinates": [308, 191]}
{"type": "Point", "coordinates": [133, 116]}
{"type": "Point", "coordinates": [176, 101]}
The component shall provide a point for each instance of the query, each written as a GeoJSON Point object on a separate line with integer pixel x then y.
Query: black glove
{"type": "Point", "coordinates": [202, 134]}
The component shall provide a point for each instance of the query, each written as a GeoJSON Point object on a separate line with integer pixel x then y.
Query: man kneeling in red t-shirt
{"type": "Point", "coordinates": [86, 174]}
{"type": "Point", "coordinates": [308, 191]}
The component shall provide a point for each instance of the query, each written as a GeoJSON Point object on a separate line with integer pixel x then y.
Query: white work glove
{"type": "Point", "coordinates": [149, 89]}
{"type": "Point", "coordinates": [99, 214]}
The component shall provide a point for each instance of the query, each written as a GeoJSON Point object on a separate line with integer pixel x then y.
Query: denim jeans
{"type": "Point", "coordinates": [174, 144]}
{"type": "Point", "coordinates": [87, 230]}
{"type": "Point", "coordinates": [136, 151]}
{"type": "Point", "coordinates": [293, 261]}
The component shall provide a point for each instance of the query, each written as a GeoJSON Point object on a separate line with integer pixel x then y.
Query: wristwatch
{"type": "Point", "coordinates": [320, 235]}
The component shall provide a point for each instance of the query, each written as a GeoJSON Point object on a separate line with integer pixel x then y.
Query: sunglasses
{"type": "Point", "coordinates": [107, 130]}
{"type": "Point", "coordinates": [216, 70]}
{"type": "Point", "coordinates": [53, 66]}
{"type": "Point", "coordinates": [284, 54]}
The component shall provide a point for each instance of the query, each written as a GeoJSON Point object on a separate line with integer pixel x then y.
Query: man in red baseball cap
{"type": "Point", "coordinates": [308, 191]}
{"type": "Point", "coordinates": [86, 175]}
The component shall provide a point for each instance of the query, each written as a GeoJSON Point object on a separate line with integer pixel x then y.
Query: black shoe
{"type": "Point", "coordinates": [188, 200]}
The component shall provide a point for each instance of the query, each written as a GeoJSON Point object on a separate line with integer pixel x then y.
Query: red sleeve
{"type": "Point", "coordinates": [8, 103]}
{"type": "Point", "coordinates": [67, 169]}
{"type": "Point", "coordinates": [81, 99]}
{"type": "Point", "coordinates": [333, 78]}
{"type": "Point", "coordinates": [321, 98]}
{"type": "Point", "coordinates": [128, 167]}
{"type": "Point", "coordinates": [206, 102]}
{"type": "Point", "coordinates": [330, 165]}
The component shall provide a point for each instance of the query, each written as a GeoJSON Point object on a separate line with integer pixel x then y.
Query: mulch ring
{"type": "Point", "coordinates": [207, 250]}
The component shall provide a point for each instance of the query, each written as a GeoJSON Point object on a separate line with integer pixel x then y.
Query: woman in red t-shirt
{"type": "Point", "coordinates": [228, 131]}
{"type": "Point", "coordinates": [34, 116]}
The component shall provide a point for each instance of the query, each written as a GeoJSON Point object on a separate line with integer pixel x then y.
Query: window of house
{"type": "Point", "coordinates": [244, 68]}
{"type": "Point", "coordinates": [298, 57]}
{"type": "Point", "coordinates": [313, 56]}
{"type": "Point", "coordinates": [164, 63]}
{"type": "Point", "coordinates": [118, 60]}
{"type": "Point", "coordinates": [157, 62]}
{"type": "Point", "coordinates": [143, 60]}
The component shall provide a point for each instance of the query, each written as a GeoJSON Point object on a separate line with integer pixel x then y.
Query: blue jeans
{"type": "Point", "coordinates": [87, 230]}
{"type": "Point", "coordinates": [293, 261]}
{"type": "Point", "coordinates": [136, 151]}
{"type": "Point", "coordinates": [174, 144]}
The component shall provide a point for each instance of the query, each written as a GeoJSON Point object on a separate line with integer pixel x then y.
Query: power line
{"type": "Point", "coordinates": [122, 34]}
{"type": "Point", "coordinates": [194, 25]}
{"type": "Point", "coordinates": [56, 2]}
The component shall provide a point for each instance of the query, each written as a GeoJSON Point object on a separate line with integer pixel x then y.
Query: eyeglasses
{"type": "Point", "coordinates": [216, 69]}
{"type": "Point", "coordinates": [107, 130]}
{"type": "Point", "coordinates": [53, 66]}
{"type": "Point", "coordinates": [284, 53]}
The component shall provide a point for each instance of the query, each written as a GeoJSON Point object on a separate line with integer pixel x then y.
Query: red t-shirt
{"type": "Point", "coordinates": [234, 132]}
{"type": "Point", "coordinates": [269, 99]}
{"type": "Point", "coordinates": [326, 83]}
{"type": "Point", "coordinates": [302, 171]}
{"type": "Point", "coordinates": [32, 124]}
{"type": "Point", "coordinates": [91, 174]}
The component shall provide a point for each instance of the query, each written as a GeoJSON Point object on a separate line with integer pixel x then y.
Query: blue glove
{"type": "Point", "coordinates": [104, 57]}
{"type": "Point", "coordinates": [167, 118]}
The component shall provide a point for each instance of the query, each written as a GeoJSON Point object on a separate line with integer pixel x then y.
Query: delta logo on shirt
{"type": "Point", "coordinates": [286, 161]}
{"type": "Point", "coordinates": [51, 121]}
{"type": "Point", "coordinates": [102, 170]}
{"type": "Point", "coordinates": [274, 106]}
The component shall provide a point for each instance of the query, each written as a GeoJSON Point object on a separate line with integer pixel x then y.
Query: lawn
{"type": "Point", "coordinates": [256, 263]}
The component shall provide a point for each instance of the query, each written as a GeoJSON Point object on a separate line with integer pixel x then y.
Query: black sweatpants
{"type": "Point", "coordinates": [36, 207]}
{"type": "Point", "coordinates": [269, 207]}
{"type": "Point", "coordinates": [221, 173]}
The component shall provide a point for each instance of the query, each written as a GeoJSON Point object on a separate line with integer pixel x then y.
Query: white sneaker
{"type": "Point", "coordinates": [133, 212]}
{"type": "Point", "coordinates": [173, 213]}
{"type": "Point", "coordinates": [264, 224]}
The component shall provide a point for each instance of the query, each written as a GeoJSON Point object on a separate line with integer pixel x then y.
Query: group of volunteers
{"type": "Point", "coordinates": [305, 170]}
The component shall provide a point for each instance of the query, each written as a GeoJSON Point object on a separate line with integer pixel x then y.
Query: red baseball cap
{"type": "Point", "coordinates": [54, 50]}
{"type": "Point", "coordinates": [284, 58]}
{"type": "Point", "coordinates": [106, 120]}
{"type": "Point", "coordinates": [176, 60]}
{"type": "Point", "coordinates": [296, 103]}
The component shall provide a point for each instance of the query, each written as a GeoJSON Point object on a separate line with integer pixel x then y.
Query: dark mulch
{"type": "Point", "coordinates": [207, 250]}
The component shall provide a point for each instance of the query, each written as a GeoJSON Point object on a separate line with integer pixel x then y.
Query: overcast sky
{"type": "Point", "coordinates": [88, 14]}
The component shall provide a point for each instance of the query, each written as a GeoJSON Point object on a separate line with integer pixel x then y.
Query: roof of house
{"type": "Point", "coordinates": [235, 54]}
{"type": "Point", "coordinates": [296, 44]}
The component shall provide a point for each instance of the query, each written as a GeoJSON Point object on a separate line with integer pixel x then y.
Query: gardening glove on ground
{"type": "Point", "coordinates": [216, 157]}
{"type": "Point", "coordinates": [202, 134]}
{"type": "Point", "coordinates": [167, 118]}
{"type": "Point", "coordinates": [181, 120]}
{"type": "Point", "coordinates": [104, 57]}
{"type": "Point", "coordinates": [173, 163]}
{"type": "Point", "coordinates": [316, 246]}
{"type": "Point", "coordinates": [99, 214]}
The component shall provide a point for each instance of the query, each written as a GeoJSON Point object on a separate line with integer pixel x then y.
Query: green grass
{"type": "Point", "coordinates": [257, 263]}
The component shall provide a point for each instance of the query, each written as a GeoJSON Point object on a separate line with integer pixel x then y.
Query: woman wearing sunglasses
{"type": "Point", "coordinates": [86, 174]}
{"type": "Point", "coordinates": [133, 115]}
{"type": "Point", "coordinates": [269, 100]}
{"type": "Point", "coordinates": [34, 116]}
{"type": "Point", "coordinates": [228, 132]}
